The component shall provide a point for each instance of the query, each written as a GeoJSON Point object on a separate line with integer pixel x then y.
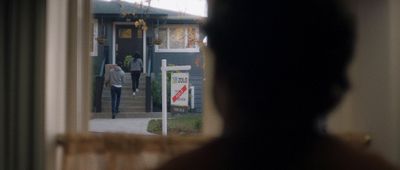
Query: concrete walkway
{"type": "Point", "coordinates": [132, 126]}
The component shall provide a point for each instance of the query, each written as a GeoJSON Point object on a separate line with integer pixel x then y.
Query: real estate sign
{"type": "Point", "coordinates": [180, 89]}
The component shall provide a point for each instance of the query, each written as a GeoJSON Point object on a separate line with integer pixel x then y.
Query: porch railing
{"type": "Point", "coordinates": [150, 53]}
{"type": "Point", "coordinates": [99, 84]}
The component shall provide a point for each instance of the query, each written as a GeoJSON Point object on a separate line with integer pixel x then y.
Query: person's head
{"type": "Point", "coordinates": [136, 55]}
{"type": "Point", "coordinates": [120, 63]}
{"type": "Point", "coordinates": [282, 63]}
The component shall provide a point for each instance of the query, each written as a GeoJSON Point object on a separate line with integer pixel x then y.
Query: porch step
{"type": "Point", "coordinates": [123, 108]}
{"type": "Point", "coordinates": [128, 83]}
{"type": "Point", "coordinates": [129, 104]}
{"type": "Point", "coordinates": [128, 115]}
{"type": "Point", "coordinates": [126, 102]}
{"type": "Point", "coordinates": [125, 93]}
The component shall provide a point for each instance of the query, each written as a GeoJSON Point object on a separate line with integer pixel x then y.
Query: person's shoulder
{"type": "Point", "coordinates": [333, 153]}
{"type": "Point", "coordinates": [121, 71]}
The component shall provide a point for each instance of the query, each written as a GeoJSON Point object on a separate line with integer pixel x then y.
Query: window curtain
{"type": "Point", "coordinates": [22, 28]}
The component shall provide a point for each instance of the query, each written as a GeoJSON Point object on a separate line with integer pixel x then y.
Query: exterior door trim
{"type": "Point", "coordinates": [114, 41]}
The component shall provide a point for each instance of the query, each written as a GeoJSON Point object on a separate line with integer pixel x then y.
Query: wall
{"type": "Point", "coordinates": [212, 121]}
{"type": "Point", "coordinates": [196, 60]}
{"type": "Point", "coordinates": [371, 105]}
{"type": "Point", "coordinates": [108, 26]}
{"type": "Point", "coordinates": [105, 27]}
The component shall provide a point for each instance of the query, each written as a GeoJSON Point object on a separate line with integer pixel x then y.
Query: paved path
{"type": "Point", "coordinates": [132, 126]}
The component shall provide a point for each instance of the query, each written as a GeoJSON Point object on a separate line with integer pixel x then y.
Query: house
{"type": "Point", "coordinates": [122, 28]}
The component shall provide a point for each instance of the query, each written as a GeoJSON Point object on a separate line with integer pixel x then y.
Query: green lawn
{"type": "Point", "coordinates": [185, 125]}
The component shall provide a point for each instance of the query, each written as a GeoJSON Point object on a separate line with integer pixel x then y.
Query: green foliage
{"type": "Point", "coordinates": [156, 91]}
{"type": "Point", "coordinates": [186, 124]}
{"type": "Point", "coordinates": [154, 125]}
{"type": "Point", "coordinates": [197, 124]}
{"type": "Point", "coordinates": [127, 62]}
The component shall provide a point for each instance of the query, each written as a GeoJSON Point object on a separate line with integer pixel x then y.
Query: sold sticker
{"type": "Point", "coordinates": [179, 94]}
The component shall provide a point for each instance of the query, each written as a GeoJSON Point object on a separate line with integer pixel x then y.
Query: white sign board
{"type": "Point", "coordinates": [179, 89]}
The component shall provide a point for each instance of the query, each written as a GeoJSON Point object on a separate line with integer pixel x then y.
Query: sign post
{"type": "Point", "coordinates": [164, 70]}
{"type": "Point", "coordinates": [192, 97]}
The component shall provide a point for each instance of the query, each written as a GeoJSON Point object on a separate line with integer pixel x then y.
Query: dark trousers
{"type": "Point", "coordinates": [115, 97]}
{"type": "Point", "coordinates": [135, 75]}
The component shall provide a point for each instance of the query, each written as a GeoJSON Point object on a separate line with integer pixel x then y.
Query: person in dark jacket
{"type": "Point", "coordinates": [136, 66]}
{"type": "Point", "coordinates": [295, 73]}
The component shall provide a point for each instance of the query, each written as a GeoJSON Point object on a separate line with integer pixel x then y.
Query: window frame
{"type": "Point", "coordinates": [183, 50]}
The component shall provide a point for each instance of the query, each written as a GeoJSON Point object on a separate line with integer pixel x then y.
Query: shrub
{"type": "Point", "coordinates": [127, 61]}
{"type": "Point", "coordinates": [154, 125]}
{"type": "Point", "coordinates": [156, 92]}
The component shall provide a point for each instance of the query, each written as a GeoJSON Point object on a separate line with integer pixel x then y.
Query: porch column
{"type": "Point", "coordinates": [144, 52]}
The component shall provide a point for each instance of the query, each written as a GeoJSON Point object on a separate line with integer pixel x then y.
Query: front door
{"type": "Point", "coordinates": [128, 41]}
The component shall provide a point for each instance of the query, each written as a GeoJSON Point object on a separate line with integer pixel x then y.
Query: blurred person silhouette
{"type": "Point", "coordinates": [136, 66]}
{"type": "Point", "coordinates": [117, 77]}
{"type": "Point", "coordinates": [272, 87]}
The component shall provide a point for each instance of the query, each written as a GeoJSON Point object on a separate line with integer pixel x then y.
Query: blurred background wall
{"type": "Point", "coordinates": [372, 105]}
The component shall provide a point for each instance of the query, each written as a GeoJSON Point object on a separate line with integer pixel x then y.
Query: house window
{"type": "Point", "coordinates": [178, 38]}
{"type": "Point", "coordinates": [93, 37]}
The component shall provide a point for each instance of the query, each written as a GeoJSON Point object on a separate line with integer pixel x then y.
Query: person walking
{"type": "Point", "coordinates": [116, 81]}
{"type": "Point", "coordinates": [136, 65]}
